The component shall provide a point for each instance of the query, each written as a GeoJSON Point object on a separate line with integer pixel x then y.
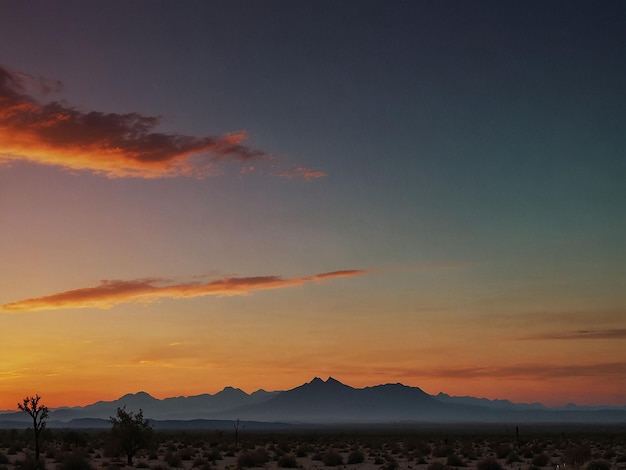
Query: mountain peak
{"type": "Point", "coordinates": [334, 382]}
{"type": "Point", "coordinates": [231, 391]}
{"type": "Point", "coordinates": [139, 395]}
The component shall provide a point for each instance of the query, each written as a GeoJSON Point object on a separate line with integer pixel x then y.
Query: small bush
{"type": "Point", "coordinates": [332, 459]}
{"type": "Point", "coordinates": [489, 463]}
{"type": "Point", "coordinates": [287, 461]}
{"type": "Point", "coordinates": [391, 464]}
{"type": "Point", "coordinates": [76, 461]}
{"type": "Point", "coordinates": [512, 457]}
{"type": "Point", "coordinates": [441, 452]}
{"type": "Point", "coordinates": [576, 455]}
{"type": "Point", "coordinates": [253, 458]}
{"type": "Point", "coordinates": [598, 465]}
{"type": "Point", "coordinates": [502, 451]}
{"type": "Point", "coordinates": [172, 459]}
{"type": "Point", "coordinates": [159, 466]}
{"type": "Point", "coordinates": [454, 460]}
{"type": "Point", "coordinates": [198, 462]}
{"type": "Point", "coordinates": [29, 463]}
{"type": "Point", "coordinates": [541, 460]}
{"type": "Point", "coordinates": [214, 455]}
{"type": "Point", "coordinates": [186, 453]}
{"type": "Point", "coordinates": [303, 451]}
{"type": "Point", "coordinates": [14, 449]}
{"type": "Point", "coordinates": [356, 456]}
{"type": "Point", "coordinates": [437, 466]}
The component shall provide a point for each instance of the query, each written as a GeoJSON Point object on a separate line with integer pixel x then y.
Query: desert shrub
{"type": "Point", "coordinates": [437, 466]}
{"type": "Point", "coordinates": [284, 446]}
{"type": "Point", "coordinates": [332, 458]}
{"type": "Point", "coordinates": [76, 461]}
{"type": "Point", "coordinates": [391, 464]}
{"type": "Point", "coordinates": [608, 454]}
{"type": "Point", "coordinates": [443, 451]}
{"type": "Point", "coordinates": [598, 465]}
{"type": "Point", "coordinates": [214, 455]}
{"type": "Point", "coordinates": [454, 460]}
{"type": "Point", "coordinates": [424, 449]}
{"type": "Point", "coordinates": [287, 461]}
{"type": "Point", "coordinates": [252, 458]}
{"type": "Point", "coordinates": [576, 455]}
{"type": "Point", "coordinates": [303, 450]}
{"type": "Point", "coordinates": [74, 439]}
{"type": "Point", "coordinates": [186, 453]}
{"type": "Point", "coordinates": [512, 457]}
{"type": "Point", "coordinates": [378, 460]}
{"type": "Point", "coordinates": [489, 463]}
{"type": "Point", "coordinates": [356, 456]}
{"type": "Point", "coordinates": [29, 463]}
{"type": "Point", "coordinates": [467, 451]}
{"type": "Point", "coordinates": [3, 458]}
{"type": "Point", "coordinates": [541, 460]}
{"type": "Point", "coordinates": [14, 449]}
{"type": "Point", "coordinates": [198, 462]}
{"type": "Point", "coordinates": [172, 459]}
{"type": "Point", "coordinates": [502, 451]}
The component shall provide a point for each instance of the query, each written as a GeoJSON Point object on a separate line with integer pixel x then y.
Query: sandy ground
{"type": "Point", "coordinates": [194, 451]}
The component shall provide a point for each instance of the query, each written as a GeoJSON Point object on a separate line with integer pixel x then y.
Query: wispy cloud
{"type": "Point", "coordinates": [113, 292]}
{"type": "Point", "coordinates": [305, 173]}
{"type": "Point", "coordinates": [521, 371]}
{"type": "Point", "coordinates": [614, 333]}
{"type": "Point", "coordinates": [110, 144]}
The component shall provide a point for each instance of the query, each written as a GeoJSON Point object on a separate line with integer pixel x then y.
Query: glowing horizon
{"type": "Point", "coordinates": [193, 198]}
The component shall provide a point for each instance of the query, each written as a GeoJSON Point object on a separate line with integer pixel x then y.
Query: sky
{"type": "Point", "coordinates": [196, 195]}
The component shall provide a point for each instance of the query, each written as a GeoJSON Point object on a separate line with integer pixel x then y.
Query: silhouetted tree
{"type": "Point", "coordinates": [132, 432]}
{"type": "Point", "coordinates": [39, 413]}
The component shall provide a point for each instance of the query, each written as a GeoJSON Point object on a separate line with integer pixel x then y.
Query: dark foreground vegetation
{"type": "Point", "coordinates": [358, 448]}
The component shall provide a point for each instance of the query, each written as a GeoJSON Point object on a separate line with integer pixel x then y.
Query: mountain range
{"type": "Point", "coordinates": [320, 402]}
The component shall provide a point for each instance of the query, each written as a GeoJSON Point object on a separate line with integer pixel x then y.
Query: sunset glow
{"type": "Point", "coordinates": [255, 194]}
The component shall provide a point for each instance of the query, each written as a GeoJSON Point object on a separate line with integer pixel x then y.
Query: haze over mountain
{"type": "Point", "coordinates": [322, 402]}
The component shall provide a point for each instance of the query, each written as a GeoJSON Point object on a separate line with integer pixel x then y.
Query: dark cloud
{"type": "Point", "coordinates": [525, 371]}
{"type": "Point", "coordinates": [112, 144]}
{"type": "Point", "coordinates": [614, 333]}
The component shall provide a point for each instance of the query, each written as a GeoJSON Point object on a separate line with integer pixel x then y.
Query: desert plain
{"type": "Point", "coordinates": [548, 447]}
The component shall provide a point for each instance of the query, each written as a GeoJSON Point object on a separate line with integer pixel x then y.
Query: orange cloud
{"type": "Point", "coordinates": [110, 293]}
{"type": "Point", "coordinates": [111, 144]}
{"type": "Point", "coordinates": [614, 333]}
{"type": "Point", "coordinates": [306, 173]}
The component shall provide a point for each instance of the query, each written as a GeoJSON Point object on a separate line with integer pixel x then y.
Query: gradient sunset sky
{"type": "Point", "coordinates": [254, 193]}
